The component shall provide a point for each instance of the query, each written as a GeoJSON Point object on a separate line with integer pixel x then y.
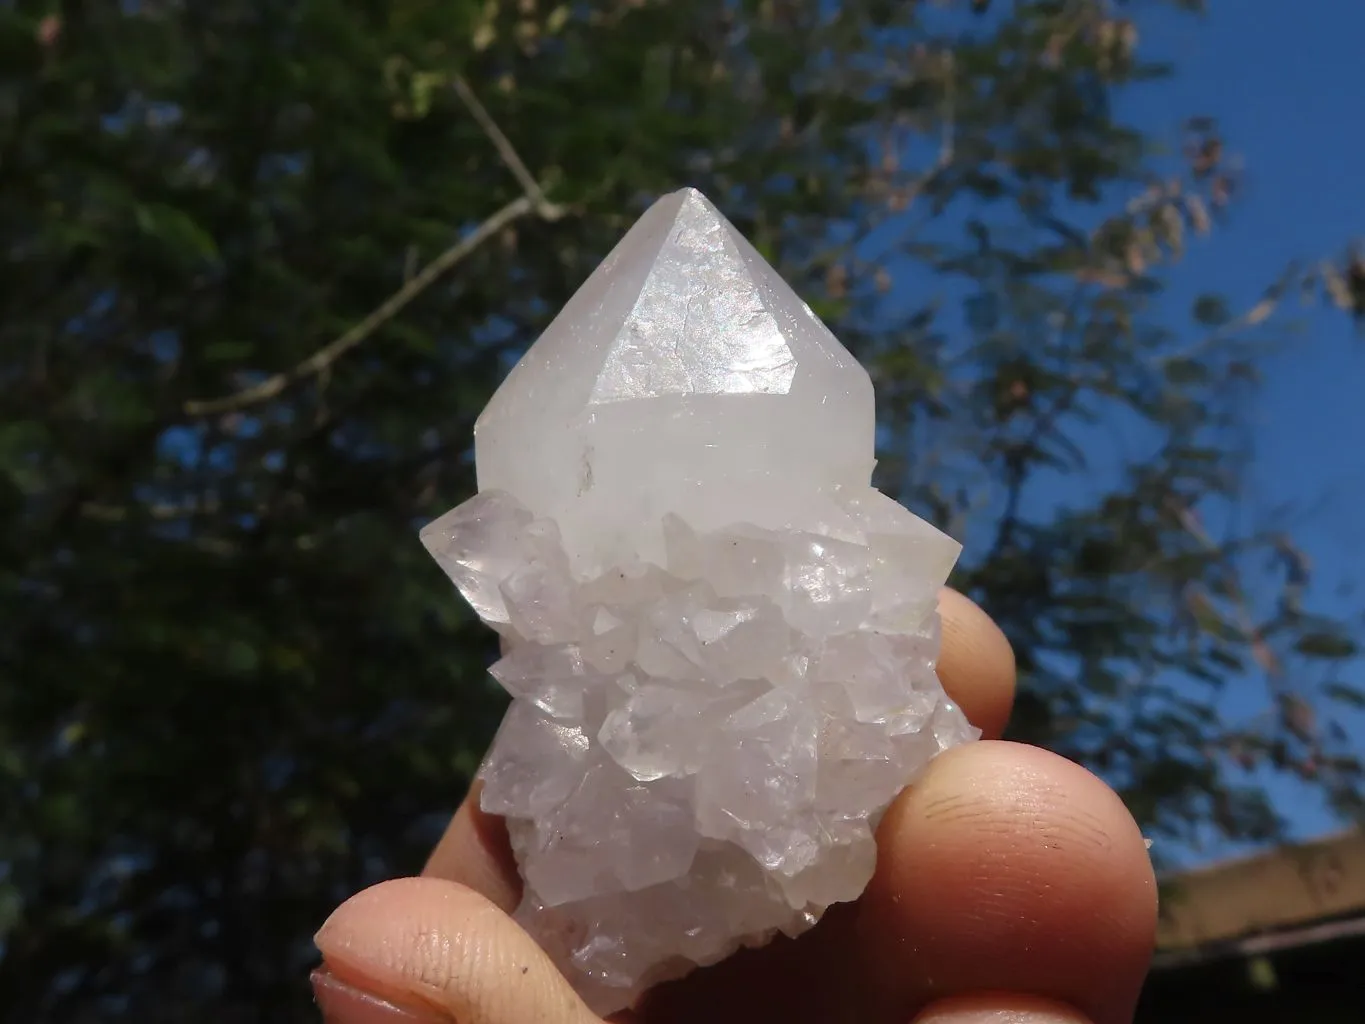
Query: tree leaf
{"type": "Point", "coordinates": [1345, 694]}
{"type": "Point", "coordinates": [177, 230]}
{"type": "Point", "coordinates": [1327, 645]}
{"type": "Point", "coordinates": [1211, 310]}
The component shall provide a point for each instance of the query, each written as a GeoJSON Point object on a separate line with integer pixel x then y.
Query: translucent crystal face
{"type": "Point", "coordinates": [684, 376]}
{"type": "Point", "coordinates": [720, 641]}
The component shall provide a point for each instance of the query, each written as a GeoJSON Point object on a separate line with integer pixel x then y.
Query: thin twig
{"type": "Point", "coordinates": [1253, 317]}
{"type": "Point", "coordinates": [908, 194]}
{"type": "Point", "coordinates": [334, 350]}
{"type": "Point", "coordinates": [947, 147]}
{"type": "Point", "coordinates": [159, 511]}
{"type": "Point", "coordinates": [532, 201]}
{"type": "Point", "coordinates": [543, 207]}
{"type": "Point", "coordinates": [1246, 623]}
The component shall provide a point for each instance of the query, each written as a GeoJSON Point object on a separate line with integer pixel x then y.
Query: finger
{"type": "Point", "coordinates": [1004, 869]}
{"type": "Point", "coordinates": [342, 1002]}
{"type": "Point", "coordinates": [1009, 869]}
{"type": "Point", "coordinates": [976, 666]}
{"type": "Point", "coordinates": [976, 663]}
{"type": "Point", "coordinates": [438, 951]}
{"type": "Point", "coordinates": [1000, 1009]}
{"type": "Point", "coordinates": [475, 852]}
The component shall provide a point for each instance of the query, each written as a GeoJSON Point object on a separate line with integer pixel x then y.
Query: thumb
{"type": "Point", "coordinates": [430, 951]}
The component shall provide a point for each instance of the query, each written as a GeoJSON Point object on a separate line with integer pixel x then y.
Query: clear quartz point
{"type": "Point", "coordinates": [719, 639]}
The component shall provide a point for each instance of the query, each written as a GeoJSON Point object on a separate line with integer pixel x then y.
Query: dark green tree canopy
{"type": "Point", "coordinates": [264, 260]}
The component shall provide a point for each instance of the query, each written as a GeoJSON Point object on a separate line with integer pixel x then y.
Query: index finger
{"type": "Point", "coordinates": [976, 667]}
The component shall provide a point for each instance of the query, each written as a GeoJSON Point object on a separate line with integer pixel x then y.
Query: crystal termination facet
{"type": "Point", "coordinates": [720, 640]}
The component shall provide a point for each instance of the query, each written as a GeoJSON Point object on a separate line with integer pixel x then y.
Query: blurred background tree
{"type": "Point", "coordinates": [264, 261]}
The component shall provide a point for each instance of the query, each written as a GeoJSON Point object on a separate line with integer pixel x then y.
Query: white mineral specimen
{"type": "Point", "coordinates": [719, 638]}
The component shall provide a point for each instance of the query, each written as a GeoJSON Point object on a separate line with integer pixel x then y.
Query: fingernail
{"type": "Point", "coordinates": [343, 1003]}
{"type": "Point", "coordinates": [993, 1009]}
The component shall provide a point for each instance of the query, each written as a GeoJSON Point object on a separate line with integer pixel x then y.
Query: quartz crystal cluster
{"type": "Point", "coordinates": [719, 639]}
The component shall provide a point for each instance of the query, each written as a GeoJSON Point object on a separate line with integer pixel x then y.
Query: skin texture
{"type": "Point", "coordinates": [1012, 887]}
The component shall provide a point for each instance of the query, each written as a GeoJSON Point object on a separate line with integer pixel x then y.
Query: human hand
{"type": "Point", "coordinates": [1012, 887]}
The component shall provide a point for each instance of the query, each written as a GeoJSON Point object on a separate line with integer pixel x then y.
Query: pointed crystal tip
{"type": "Point", "coordinates": [684, 376]}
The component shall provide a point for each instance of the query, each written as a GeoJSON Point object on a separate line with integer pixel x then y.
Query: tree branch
{"type": "Point", "coordinates": [544, 209]}
{"type": "Point", "coordinates": [947, 146]}
{"type": "Point", "coordinates": [324, 357]}
{"type": "Point", "coordinates": [532, 201]}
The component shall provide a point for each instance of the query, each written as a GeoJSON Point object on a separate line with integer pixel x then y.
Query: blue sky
{"type": "Point", "coordinates": [1284, 82]}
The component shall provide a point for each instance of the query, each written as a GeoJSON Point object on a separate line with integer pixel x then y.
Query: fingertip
{"type": "Point", "coordinates": [1007, 868]}
{"type": "Point", "coordinates": [976, 664]}
{"type": "Point", "coordinates": [431, 943]}
{"type": "Point", "coordinates": [476, 852]}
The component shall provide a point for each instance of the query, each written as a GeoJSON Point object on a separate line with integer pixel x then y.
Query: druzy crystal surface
{"type": "Point", "coordinates": [719, 639]}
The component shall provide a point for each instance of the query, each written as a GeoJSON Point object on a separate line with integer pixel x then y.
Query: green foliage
{"type": "Point", "coordinates": [1327, 645]}
{"type": "Point", "coordinates": [233, 689]}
